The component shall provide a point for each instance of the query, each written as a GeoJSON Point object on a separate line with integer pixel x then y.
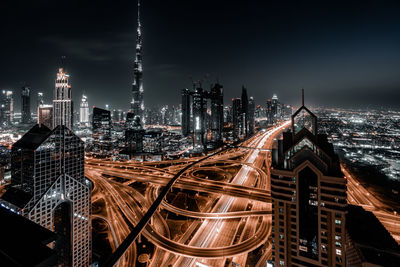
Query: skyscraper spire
{"type": "Point", "coordinates": [137, 103]}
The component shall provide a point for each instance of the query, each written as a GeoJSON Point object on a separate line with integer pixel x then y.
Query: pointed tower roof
{"type": "Point", "coordinates": [304, 118]}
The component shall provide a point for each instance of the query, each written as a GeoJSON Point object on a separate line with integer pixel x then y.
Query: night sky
{"type": "Point", "coordinates": [344, 54]}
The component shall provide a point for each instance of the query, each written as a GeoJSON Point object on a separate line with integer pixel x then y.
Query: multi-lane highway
{"type": "Point", "coordinates": [235, 220]}
{"type": "Point", "coordinates": [248, 186]}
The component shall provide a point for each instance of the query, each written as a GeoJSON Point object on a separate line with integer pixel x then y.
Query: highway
{"type": "Point", "coordinates": [241, 188]}
{"type": "Point", "coordinates": [235, 220]}
{"type": "Point", "coordinates": [359, 195]}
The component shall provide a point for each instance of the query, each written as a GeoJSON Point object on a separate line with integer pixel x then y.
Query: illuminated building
{"type": "Point", "coordinates": [251, 114]}
{"type": "Point", "coordinates": [237, 118]}
{"type": "Point", "coordinates": [308, 193]}
{"type": "Point", "coordinates": [25, 104]}
{"type": "Point", "coordinates": [199, 113]}
{"type": "Point", "coordinates": [101, 129]}
{"type": "Point", "coordinates": [45, 115]}
{"type": "Point", "coordinates": [275, 108]}
{"type": "Point", "coordinates": [40, 100]}
{"type": "Point", "coordinates": [134, 135]}
{"type": "Point", "coordinates": [6, 108]}
{"type": "Point", "coordinates": [245, 112]}
{"type": "Point", "coordinates": [269, 111]}
{"type": "Point", "coordinates": [62, 101]}
{"type": "Point", "coordinates": [217, 113]}
{"type": "Point", "coordinates": [48, 186]}
{"type": "Point", "coordinates": [137, 103]}
{"type": "Point", "coordinates": [186, 129]}
{"type": "Point", "coordinates": [84, 112]}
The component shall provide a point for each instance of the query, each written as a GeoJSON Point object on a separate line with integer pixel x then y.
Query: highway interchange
{"type": "Point", "coordinates": [235, 221]}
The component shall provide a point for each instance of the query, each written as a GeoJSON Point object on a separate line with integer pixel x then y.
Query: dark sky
{"type": "Point", "coordinates": [343, 53]}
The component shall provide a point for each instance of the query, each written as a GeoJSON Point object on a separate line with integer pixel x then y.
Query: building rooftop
{"type": "Point", "coordinates": [23, 242]}
{"type": "Point", "coordinates": [33, 138]}
{"type": "Point", "coordinates": [16, 197]}
{"type": "Point", "coordinates": [372, 240]}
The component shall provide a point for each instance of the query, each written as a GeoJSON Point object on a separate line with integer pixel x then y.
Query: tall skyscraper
{"type": "Point", "coordinates": [251, 114]}
{"type": "Point", "coordinates": [6, 108]}
{"type": "Point", "coordinates": [186, 112]}
{"type": "Point", "coordinates": [274, 108]}
{"type": "Point", "coordinates": [308, 193]}
{"type": "Point", "coordinates": [84, 112]}
{"type": "Point", "coordinates": [137, 103]}
{"type": "Point", "coordinates": [26, 104]}
{"type": "Point", "coordinates": [62, 102]}
{"type": "Point", "coordinates": [101, 129]}
{"type": "Point", "coordinates": [48, 186]}
{"type": "Point", "coordinates": [269, 111]}
{"type": "Point", "coordinates": [40, 99]}
{"type": "Point", "coordinates": [217, 113]}
{"type": "Point", "coordinates": [199, 115]}
{"type": "Point", "coordinates": [237, 118]}
{"type": "Point", "coordinates": [245, 111]}
{"type": "Point", "coordinates": [45, 115]}
{"type": "Point", "coordinates": [134, 135]}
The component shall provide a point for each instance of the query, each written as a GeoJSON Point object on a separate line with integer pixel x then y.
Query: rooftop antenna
{"type": "Point", "coordinates": [63, 62]}
{"type": "Point", "coordinates": [302, 96]}
{"type": "Point", "coordinates": [193, 82]}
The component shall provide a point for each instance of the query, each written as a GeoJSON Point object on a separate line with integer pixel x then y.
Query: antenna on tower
{"type": "Point", "coordinates": [63, 62]}
{"type": "Point", "coordinates": [302, 96]}
{"type": "Point", "coordinates": [193, 82]}
{"type": "Point", "coordinates": [138, 11]}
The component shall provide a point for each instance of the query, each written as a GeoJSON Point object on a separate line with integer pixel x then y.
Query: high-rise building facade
{"type": "Point", "coordinates": [45, 115]}
{"type": "Point", "coordinates": [217, 113]}
{"type": "Point", "coordinates": [186, 129]}
{"type": "Point", "coordinates": [237, 118]}
{"type": "Point", "coordinates": [40, 99]}
{"type": "Point", "coordinates": [274, 108]}
{"type": "Point", "coordinates": [84, 112]}
{"type": "Point", "coordinates": [245, 111]}
{"type": "Point", "coordinates": [251, 115]}
{"type": "Point", "coordinates": [26, 104]}
{"type": "Point", "coordinates": [62, 101]}
{"type": "Point", "coordinates": [199, 116]}
{"type": "Point", "coordinates": [137, 103]}
{"type": "Point", "coordinates": [48, 187]}
{"type": "Point", "coordinates": [308, 193]}
{"type": "Point", "coordinates": [6, 108]}
{"type": "Point", "coordinates": [134, 135]}
{"type": "Point", "coordinates": [101, 129]}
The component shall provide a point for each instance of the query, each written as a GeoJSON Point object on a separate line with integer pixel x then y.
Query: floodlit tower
{"type": "Point", "coordinates": [84, 111]}
{"type": "Point", "coordinates": [137, 103]}
{"type": "Point", "coordinates": [40, 99]}
{"type": "Point", "coordinates": [62, 102]}
{"type": "Point", "coordinates": [6, 108]}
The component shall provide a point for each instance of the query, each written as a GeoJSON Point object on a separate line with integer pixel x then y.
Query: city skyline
{"type": "Point", "coordinates": [268, 50]}
{"type": "Point", "coordinates": [172, 133]}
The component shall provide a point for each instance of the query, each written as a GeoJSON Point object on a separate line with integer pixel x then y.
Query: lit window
{"type": "Point", "coordinates": [338, 237]}
{"type": "Point", "coordinates": [338, 222]}
{"type": "Point", "coordinates": [339, 252]}
{"type": "Point", "coordinates": [281, 263]}
{"type": "Point", "coordinates": [281, 236]}
{"type": "Point", "coordinates": [338, 244]}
